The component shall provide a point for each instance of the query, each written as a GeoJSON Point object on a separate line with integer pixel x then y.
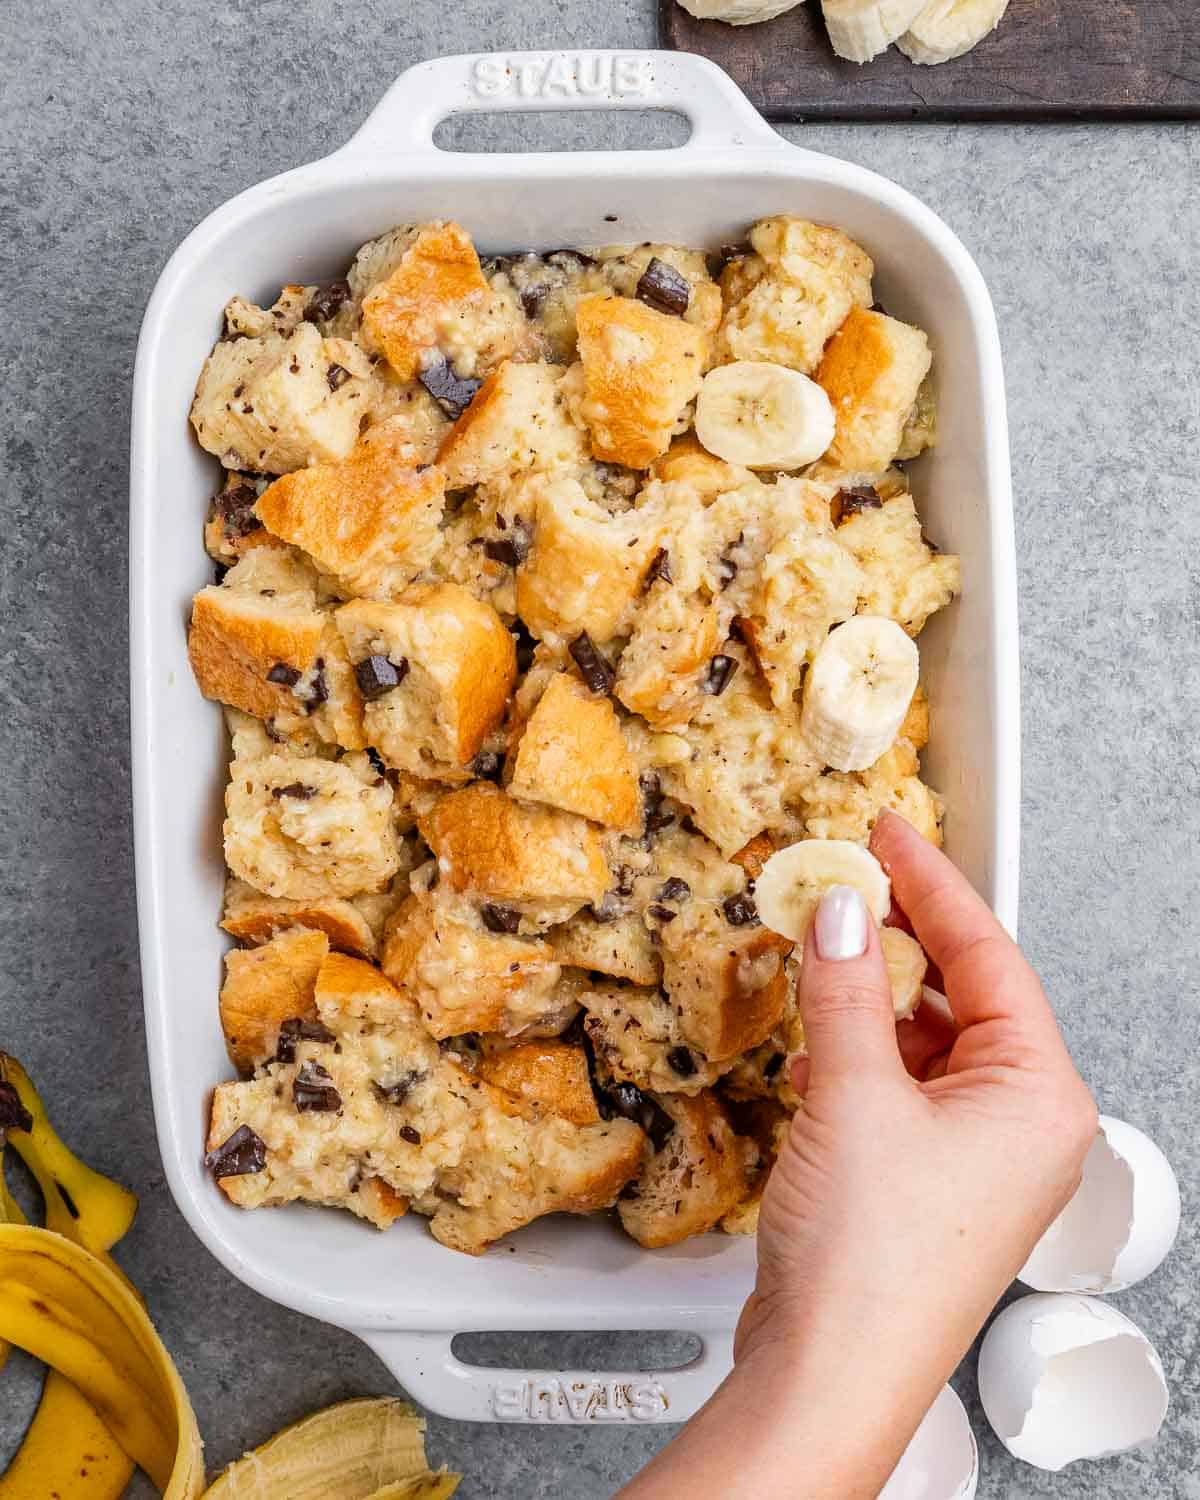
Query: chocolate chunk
{"type": "Point", "coordinates": [660, 567]}
{"type": "Point", "coordinates": [318, 689]}
{"type": "Point", "coordinates": [727, 571]}
{"type": "Point", "coordinates": [398, 1092]}
{"type": "Point", "coordinates": [606, 909]}
{"type": "Point", "coordinates": [376, 760]}
{"type": "Point", "coordinates": [220, 572]}
{"type": "Point", "coordinates": [526, 645]}
{"type": "Point", "coordinates": [500, 918]}
{"type": "Point", "coordinates": [451, 393]}
{"type": "Point", "coordinates": [624, 885]}
{"type": "Point", "coordinates": [628, 1101]}
{"type": "Point", "coordinates": [674, 889]}
{"type": "Point", "coordinates": [773, 1065]}
{"type": "Point", "coordinates": [283, 675]}
{"type": "Point", "coordinates": [720, 670]}
{"type": "Point", "coordinates": [313, 1091]}
{"type": "Point", "coordinates": [849, 502]}
{"type": "Point", "coordinates": [336, 377]}
{"type": "Point", "coordinates": [327, 301]}
{"type": "Point", "coordinates": [737, 629]}
{"type": "Point", "coordinates": [295, 789]}
{"type": "Point", "coordinates": [533, 297]}
{"type": "Point", "coordinates": [13, 1114]}
{"type": "Point", "coordinates": [235, 506]}
{"type": "Point", "coordinates": [407, 1133]}
{"type": "Point", "coordinates": [663, 288]}
{"type": "Point", "coordinates": [513, 549]}
{"type": "Point", "coordinates": [682, 1061]}
{"type": "Point", "coordinates": [652, 799]}
{"type": "Point", "coordinates": [663, 914]}
{"type": "Point", "coordinates": [570, 261]}
{"type": "Point", "coordinates": [740, 910]}
{"type": "Point", "coordinates": [377, 675]}
{"type": "Point", "coordinates": [295, 1030]}
{"type": "Point", "coordinates": [719, 259]}
{"type": "Point", "coordinates": [241, 1155]}
{"type": "Point", "coordinates": [595, 668]}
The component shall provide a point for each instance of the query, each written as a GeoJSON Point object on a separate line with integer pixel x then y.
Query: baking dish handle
{"type": "Point", "coordinates": [483, 83]}
{"type": "Point", "coordinates": [427, 1367]}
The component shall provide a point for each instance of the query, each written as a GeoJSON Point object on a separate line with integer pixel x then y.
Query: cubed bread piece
{"type": "Point", "coordinates": [666, 662]}
{"type": "Point", "coordinates": [276, 403]}
{"type": "Point", "coordinates": [915, 728]}
{"type": "Point", "coordinates": [624, 266]}
{"type": "Point", "coordinates": [808, 583]}
{"type": "Point", "coordinates": [437, 302]}
{"type": "Point", "coordinates": [552, 1076]}
{"type": "Point", "coordinates": [640, 370]}
{"type": "Point", "coordinates": [514, 1168]}
{"type": "Point", "coordinates": [906, 966]}
{"type": "Point", "coordinates": [871, 372]}
{"type": "Point", "coordinates": [455, 662]}
{"type": "Point", "coordinates": [621, 947]}
{"type": "Point", "coordinates": [753, 856]}
{"type": "Point", "coordinates": [518, 421]}
{"type": "Point", "coordinates": [369, 521]}
{"type": "Point", "coordinates": [231, 528]}
{"type": "Point", "coordinates": [253, 918]}
{"type": "Point", "coordinates": [415, 423]}
{"type": "Point", "coordinates": [842, 805]}
{"type": "Point", "coordinates": [571, 755]}
{"type": "Point", "coordinates": [307, 828]}
{"type": "Point", "coordinates": [586, 567]}
{"type": "Point", "coordinates": [688, 463]}
{"type": "Point", "coordinates": [375, 261]}
{"type": "Point", "coordinates": [637, 1038]}
{"type": "Point", "coordinates": [464, 976]}
{"type": "Point", "coordinates": [378, 1203]}
{"type": "Point", "coordinates": [265, 987]}
{"type": "Point", "coordinates": [794, 294]}
{"type": "Point", "coordinates": [726, 982]}
{"type": "Point", "coordinates": [350, 994]}
{"type": "Point", "coordinates": [700, 1174]}
{"type": "Point", "coordinates": [492, 846]}
{"type": "Point", "coordinates": [906, 579]}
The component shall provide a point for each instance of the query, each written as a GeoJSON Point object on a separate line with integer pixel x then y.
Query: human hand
{"type": "Point", "coordinates": [925, 1163]}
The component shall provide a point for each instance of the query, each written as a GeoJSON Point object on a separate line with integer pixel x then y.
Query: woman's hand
{"type": "Point", "coordinates": [925, 1163]}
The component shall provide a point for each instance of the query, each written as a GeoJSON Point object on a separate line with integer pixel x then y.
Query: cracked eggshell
{"type": "Point", "coordinates": [1119, 1226]}
{"type": "Point", "coordinates": [1064, 1377]}
{"type": "Point", "coordinates": [942, 1461]}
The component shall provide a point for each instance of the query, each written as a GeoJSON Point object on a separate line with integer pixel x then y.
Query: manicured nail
{"type": "Point", "coordinates": [841, 925]}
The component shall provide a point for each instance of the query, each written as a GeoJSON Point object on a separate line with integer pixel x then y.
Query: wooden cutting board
{"type": "Point", "coordinates": [1049, 60]}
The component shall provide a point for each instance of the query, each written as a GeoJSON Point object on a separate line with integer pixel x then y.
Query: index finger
{"type": "Point", "coordinates": [986, 975]}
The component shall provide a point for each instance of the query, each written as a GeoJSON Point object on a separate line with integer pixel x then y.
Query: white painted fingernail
{"type": "Point", "coordinates": [841, 924]}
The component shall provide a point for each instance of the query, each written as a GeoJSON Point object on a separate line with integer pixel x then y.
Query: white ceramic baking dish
{"type": "Point", "coordinates": [402, 1292]}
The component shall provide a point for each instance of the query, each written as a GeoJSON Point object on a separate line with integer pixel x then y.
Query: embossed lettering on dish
{"type": "Point", "coordinates": [562, 75]}
{"type": "Point", "coordinates": [555, 1400]}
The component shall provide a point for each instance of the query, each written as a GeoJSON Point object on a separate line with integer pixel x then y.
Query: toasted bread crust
{"type": "Point", "coordinates": [235, 640]}
{"type": "Point", "coordinates": [253, 918]}
{"type": "Point", "coordinates": [871, 372]}
{"type": "Point", "coordinates": [265, 987]}
{"type": "Point", "coordinates": [552, 1076]}
{"type": "Point", "coordinates": [572, 756]}
{"type": "Point", "coordinates": [517, 421]}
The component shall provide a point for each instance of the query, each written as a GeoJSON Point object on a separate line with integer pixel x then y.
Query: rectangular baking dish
{"type": "Point", "coordinates": [402, 1292]}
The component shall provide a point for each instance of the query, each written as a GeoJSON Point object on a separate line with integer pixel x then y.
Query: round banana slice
{"type": "Point", "coordinates": [906, 965]}
{"type": "Point", "coordinates": [793, 881]}
{"type": "Point", "coordinates": [738, 12]}
{"type": "Point", "coordinates": [763, 416]}
{"type": "Point", "coordinates": [946, 29]}
{"type": "Point", "coordinates": [858, 690]}
{"type": "Point", "coordinates": [862, 29]}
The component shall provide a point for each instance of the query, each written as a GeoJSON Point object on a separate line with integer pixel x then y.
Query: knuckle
{"type": "Point", "coordinates": [847, 1000]}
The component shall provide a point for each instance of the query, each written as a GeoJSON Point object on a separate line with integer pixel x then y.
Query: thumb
{"type": "Point", "coordinates": [844, 994]}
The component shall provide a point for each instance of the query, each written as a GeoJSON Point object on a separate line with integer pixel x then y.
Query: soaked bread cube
{"type": "Point", "coordinates": [572, 755]}
{"type": "Point", "coordinates": [871, 372]}
{"type": "Point", "coordinates": [787, 300]}
{"type": "Point", "coordinates": [437, 666]}
{"type": "Point", "coordinates": [306, 828]}
{"type": "Point", "coordinates": [350, 994]}
{"type": "Point", "coordinates": [245, 319]}
{"type": "Point", "coordinates": [253, 918]}
{"type": "Point", "coordinates": [463, 975]}
{"type": "Point", "coordinates": [232, 529]}
{"type": "Point", "coordinates": [687, 463]}
{"type": "Point", "coordinates": [436, 302]}
{"type": "Point", "coordinates": [620, 946]}
{"type": "Point", "coordinates": [665, 664]}
{"type": "Point", "coordinates": [840, 805]}
{"type": "Point", "coordinates": [637, 1038]}
{"type": "Point", "coordinates": [700, 1174]}
{"type": "Point", "coordinates": [518, 421]}
{"type": "Point", "coordinates": [264, 987]}
{"type": "Point", "coordinates": [640, 369]}
{"type": "Point", "coordinates": [279, 402]}
{"type": "Point", "coordinates": [551, 1076]}
{"type": "Point", "coordinates": [726, 982]}
{"type": "Point", "coordinates": [625, 267]}
{"type": "Point", "coordinates": [490, 845]}
{"type": "Point", "coordinates": [906, 580]}
{"type": "Point", "coordinates": [370, 521]}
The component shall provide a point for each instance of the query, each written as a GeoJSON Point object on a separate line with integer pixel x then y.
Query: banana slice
{"type": "Point", "coordinates": [862, 29]}
{"type": "Point", "coordinates": [945, 29]}
{"type": "Point", "coordinates": [763, 416]}
{"type": "Point", "coordinates": [906, 965]}
{"type": "Point", "coordinates": [858, 690]}
{"type": "Point", "coordinates": [794, 880]}
{"type": "Point", "coordinates": [738, 12]}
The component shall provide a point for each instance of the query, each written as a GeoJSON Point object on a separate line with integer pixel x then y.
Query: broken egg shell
{"type": "Point", "coordinates": [942, 1461]}
{"type": "Point", "coordinates": [1064, 1377]}
{"type": "Point", "coordinates": [1121, 1223]}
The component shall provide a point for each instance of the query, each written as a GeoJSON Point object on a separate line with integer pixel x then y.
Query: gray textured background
{"type": "Point", "coordinates": [131, 119]}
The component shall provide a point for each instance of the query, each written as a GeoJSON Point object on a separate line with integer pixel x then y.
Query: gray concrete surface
{"type": "Point", "coordinates": [124, 122]}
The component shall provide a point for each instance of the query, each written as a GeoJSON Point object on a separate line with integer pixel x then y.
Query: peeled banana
{"type": "Point", "coordinates": [862, 29]}
{"type": "Point", "coordinates": [945, 29]}
{"type": "Point", "coordinates": [857, 692]}
{"type": "Point", "coordinates": [906, 965]}
{"type": "Point", "coordinates": [738, 12]}
{"type": "Point", "coordinates": [794, 879]}
{"type": "Point", "coordinates": [763, 416]}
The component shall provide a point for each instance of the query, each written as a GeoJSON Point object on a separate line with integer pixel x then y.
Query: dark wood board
{"type": "Point", "coordinates": [1049, 60]}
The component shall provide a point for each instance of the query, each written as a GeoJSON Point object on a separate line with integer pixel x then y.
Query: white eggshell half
{"type": "Point", "coordinates": [1119, 1226]}
{"type": "Point", "coordinates": [1063, 1377]}
{"type": "Point", "coordinates": [942, 1461]}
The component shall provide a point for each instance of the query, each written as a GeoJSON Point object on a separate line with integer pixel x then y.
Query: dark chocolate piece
{"type": "Point", "coordinates": [407, 1133]}
{"type": "Point", "coordinates": [336, 377]}
{"type": "Point", "coordinates": [327, 301]}
{"type": "Point", "coordinates": [295, 1030]}
{"type": "Point", "coordinates": [398, 1092]}
{"type": "Point", "coordinates": [487, 765]}
{"type": "Point", "coordinates": [682, 1061]}
{"type": "Point", "coordinates": [295, 789]}
{"type": "Point", "coordinates": [500, 918]}
{"type": "Point", "coordinates": [594, 667]}
{"type": "Point", "coordinates": [283, 675]}
{"type": "Point", "coordinates": [663, 288]}
{"type": "Point", "coordinates": [674, 889]}
{"type": "Point", "coordinates": [660, 567]}
{"type": "Point", "coordinates": [740, 910]}
{"type": "Point", "coordinates": [849, 502]}
{"type": "Point", "coordinates": [377, 675]}
{"type": "Point", "coordinates": [313, 1091]}
{"type": "Point", "coordinates": [663, 914]}
{"type": "Point", "coordinates": [235, 506]}
{"type": "Point", "coordinates": [720, 671]}
{"type": "Point", "coordinates": [450, 392]}
{"type": "Point", "coordinates": [243, 1154]}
